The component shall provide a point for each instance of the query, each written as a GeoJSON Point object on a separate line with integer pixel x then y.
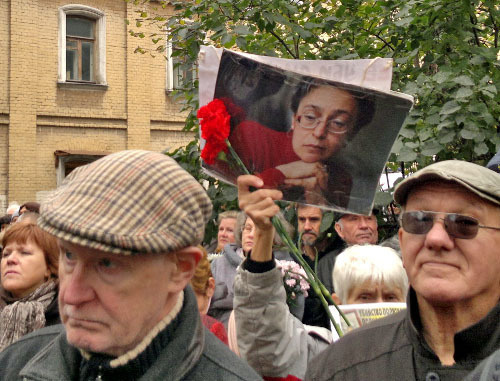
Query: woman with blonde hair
{"type": "Point", "coordinates": [29, 281]}
{"type": "Point", "coordinates": [203, 285]}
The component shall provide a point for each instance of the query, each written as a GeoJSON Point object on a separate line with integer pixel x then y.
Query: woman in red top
{"type": "Point", "coordinates": [324, 119]}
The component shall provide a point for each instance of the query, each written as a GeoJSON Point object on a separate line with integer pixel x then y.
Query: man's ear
{"type": "Point", "coordinates": [186, 261]}
{"type": "Point", "coordinates": [338, 229]}
{"type": "Point", "coordinates": [336, 299]}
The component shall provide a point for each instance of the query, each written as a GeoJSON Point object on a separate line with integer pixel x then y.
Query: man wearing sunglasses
{"type": "Point", "coordinates": [450, 244]}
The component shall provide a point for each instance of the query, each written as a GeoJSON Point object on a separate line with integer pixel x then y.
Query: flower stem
{"type": "Point", "coordinates": [312, 278]}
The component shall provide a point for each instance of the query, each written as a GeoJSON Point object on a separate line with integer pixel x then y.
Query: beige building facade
{"type": "Point", "coordinates": [72, 90]}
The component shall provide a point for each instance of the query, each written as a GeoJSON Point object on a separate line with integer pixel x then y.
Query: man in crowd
{"type": "Point", "coordinates": [309, 220]}
{"type": "Point", "coordinates": [308, 224]}
{"type": "Point", "coordinates": [129, 224]}
{"type": "Point", "coordinates": [353, 229]}
{"type": "Point", "coordinates": [449, 236]}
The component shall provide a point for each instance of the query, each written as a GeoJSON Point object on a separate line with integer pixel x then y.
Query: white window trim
{"type": "Point", "coordinates": [169, 78]}
{"type": "Point", "coordinates": [170, 67]}
{"type": "Point", "coordinates": [100, 17]}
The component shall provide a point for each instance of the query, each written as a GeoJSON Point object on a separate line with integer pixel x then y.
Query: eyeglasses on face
{"type": "Point", "coordinates": [456, 225]}
{"type": "Point", "coordinates": [333, 126]}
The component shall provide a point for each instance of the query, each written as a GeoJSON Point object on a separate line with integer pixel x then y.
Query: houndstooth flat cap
{"type": "Point", "coordinates": [128, 202]}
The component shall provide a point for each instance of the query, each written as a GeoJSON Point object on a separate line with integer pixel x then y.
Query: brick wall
{"type": "Point", "coordinates": [37, 117]}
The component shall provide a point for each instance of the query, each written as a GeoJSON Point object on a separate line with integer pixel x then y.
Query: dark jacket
{"type": "Point", "coordinates": [393, 348]}
{"type": "Point", "coordinates": [52, 313]}
{"type": "Point", "coordinates": [184, 350]}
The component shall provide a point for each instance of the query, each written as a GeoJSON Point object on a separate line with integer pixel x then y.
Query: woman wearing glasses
{"type": "Point", "coordinates": [302, 161]}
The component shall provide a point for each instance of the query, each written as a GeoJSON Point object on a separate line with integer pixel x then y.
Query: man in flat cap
{"type": "Point", "coordinates": [129, 224]}
{"type": "Point", "coordinates": [450, 240]}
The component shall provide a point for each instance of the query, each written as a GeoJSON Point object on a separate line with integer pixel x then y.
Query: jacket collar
{"type": "Point", "coordinates": [471, 344]}
{"type": "Point", "coordinates": [175, 353]}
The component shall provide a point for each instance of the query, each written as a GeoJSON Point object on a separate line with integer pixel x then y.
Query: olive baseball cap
{"type": "Point", "coordinates": [129, 202]}
{"type": "Point", "coordinates": [480, 180]}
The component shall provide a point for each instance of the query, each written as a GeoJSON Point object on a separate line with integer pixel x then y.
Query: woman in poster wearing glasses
{"type": "Point", "coordinates": [301, 162]}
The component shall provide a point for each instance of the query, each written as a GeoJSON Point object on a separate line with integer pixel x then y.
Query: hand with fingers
{"type": "Point", "coordinates": [260, 206]}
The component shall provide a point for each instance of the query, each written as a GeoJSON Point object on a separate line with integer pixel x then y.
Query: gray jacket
{"type": "Point", "coordinates": [224, 271]}
{"type": "Point", "coordinates": [270, 338]}
{"type": "Point", "coordinates": [188, 352]}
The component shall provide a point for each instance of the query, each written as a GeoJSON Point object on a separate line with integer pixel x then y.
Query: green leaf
{"type": "Point", "coordinates": [407, 132]}
{"type": "Point", "coordinates": [463, 92]}
{"type": "Point", "coordinates": [464, 80]}
{"type": "Point", "coordinates": [382, 198]}
{"type": "Point", "coordinates": [407, 154]}
{"type": "Point", "coordinates": [480, 149]}
{"type": "Point", "coordinates": [447, 137]}
{"type": "Point", "coordinates": [433, 119]}
{"type": "Point", "coordinates": [230, 193]}
{"type": "Point", "coordinates": [468, 134]}
{"type": "Point", "coordinates": [441, 76]}
{"type": "Point", "coordinates": [242, 30]}
{"type": "Point", "coordinates": [326, 221]}
{"type": "Point", "coordinates": [489, 91]}
{"type": "Point", "coordinates": [431, 148]}
{"type": "Point", "coordinates": [423, 135]}
{"type": "Point", "coordinates": [450, 108]}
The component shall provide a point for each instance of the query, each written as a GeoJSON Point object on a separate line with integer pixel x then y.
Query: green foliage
{"type": "Point", "coordinates": [223, 196]}
{"type": "Point", "coordinates": [446, 55]}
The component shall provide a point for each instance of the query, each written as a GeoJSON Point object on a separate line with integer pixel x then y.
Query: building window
{"type": "Point", "coordinates": [67, 161]}
{"type": "Point", "coordinates": [82, 44]}
{"type": "Point", "coordinates": [180, 74]}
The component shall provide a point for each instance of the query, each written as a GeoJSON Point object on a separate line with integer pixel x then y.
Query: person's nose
{"type": "Point", "coordinates": [75, 286]}
{"type": "Point", "coordinates": [321, 130]}
{"type": "Point", "coordinates": [438, 238]}
{"type": "Point", "coordinates": [363, 223]}
{"type": "Point", "coordinates": [13, 258]}
{"type": "Point", "coordinates": [307, 225]}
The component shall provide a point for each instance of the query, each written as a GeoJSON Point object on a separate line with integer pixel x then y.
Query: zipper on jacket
{"type": "Point", "coordinates": [99, 374]}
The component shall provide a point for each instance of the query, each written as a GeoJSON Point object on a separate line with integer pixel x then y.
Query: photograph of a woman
{"type": "Point", "coordinates": [301, 161]}
{"type": "Point", "coordinates": [321, 142]}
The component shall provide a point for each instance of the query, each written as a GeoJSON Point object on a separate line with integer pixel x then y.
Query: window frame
{"type": "Point", "coordinates": [71, 160]}
{"type": "Point", "coordinates": [99, 42]}
{"type": "Point", "coordinates": [170, 82]}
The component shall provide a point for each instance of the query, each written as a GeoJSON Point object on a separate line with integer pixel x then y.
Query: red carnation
{"type": "Point", "coordinates": [215, 129]}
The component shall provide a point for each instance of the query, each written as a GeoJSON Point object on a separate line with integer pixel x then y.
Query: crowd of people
{"type": "Point", "coordinates": [108, 280]}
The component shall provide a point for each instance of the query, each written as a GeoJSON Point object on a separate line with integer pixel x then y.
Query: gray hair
{"type": "Point", "coordinates": [360, 263]}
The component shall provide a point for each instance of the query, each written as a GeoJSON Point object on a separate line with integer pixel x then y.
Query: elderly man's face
{"type": "Point", "coordinates": [445, 270]}
{"type": "Point", "coordinates": [357, 230]}
{"type": "Point", "coordinates": [309, 223]}
{"type": "Point", "coordinates": [108, 303]}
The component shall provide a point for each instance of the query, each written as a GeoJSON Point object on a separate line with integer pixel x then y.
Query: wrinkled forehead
{"type": "Point", "coordinates": [422, 191]}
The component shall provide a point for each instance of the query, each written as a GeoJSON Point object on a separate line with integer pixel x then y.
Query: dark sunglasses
{"type": "Point", "coordinates": [456, 225]}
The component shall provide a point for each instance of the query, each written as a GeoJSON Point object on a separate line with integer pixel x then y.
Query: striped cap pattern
{"type": "Point", "coordinates": [128, 202]}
